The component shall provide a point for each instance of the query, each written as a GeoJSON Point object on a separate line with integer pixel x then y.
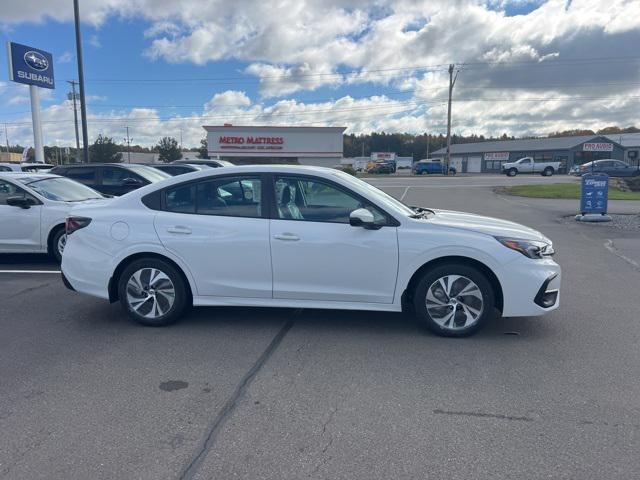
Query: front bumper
{"type": "Point", "coordinates": [525, 285]}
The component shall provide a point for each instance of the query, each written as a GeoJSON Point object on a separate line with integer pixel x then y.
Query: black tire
{"type": "Point", "coordinates": [428, 280]}
{"type": "Point", "coordinates": [512, 172]}
{"type": "Point", "coordinates": [54, 250]}
{"type": "Point", "coordinates": [547, 172]}
{"type": "Point", "coordinates": [181, 294]}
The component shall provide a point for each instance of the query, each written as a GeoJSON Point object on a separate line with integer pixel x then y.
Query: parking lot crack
{"type": "Point", "coordinates": [483, 415]}
{"type": "Point", "coordinates": [227, 409]}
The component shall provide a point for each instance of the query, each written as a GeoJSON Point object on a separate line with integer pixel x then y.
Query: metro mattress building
{"type": "Point", "coordinates": [320, 146]}
{"type": "Point", "coordinates": [489, 156]}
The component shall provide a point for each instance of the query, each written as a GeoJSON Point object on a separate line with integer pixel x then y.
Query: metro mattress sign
{"type": "Point", "coordinates": [251, 140]}
{"type": "Point", "coordinates": [597, 147]}
{"type": "Point", "coordinates": [30, 66]}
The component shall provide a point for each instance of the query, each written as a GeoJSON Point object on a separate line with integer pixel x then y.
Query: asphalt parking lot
{"type": "Point", "coordinates": [289, 394]}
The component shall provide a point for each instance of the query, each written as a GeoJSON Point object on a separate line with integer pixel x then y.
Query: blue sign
{"type": "Point", "coordinates": [30, 65]}
{"type": "Point", "coordinates": [595, 193]}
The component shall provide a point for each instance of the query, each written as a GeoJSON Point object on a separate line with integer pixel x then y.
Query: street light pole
{"type": "Point", "coordinates": [75, 115]}
{"type": "Point", "coordinates": [83, 103]}
{"type": "Point", "coordinates": [128, 140]}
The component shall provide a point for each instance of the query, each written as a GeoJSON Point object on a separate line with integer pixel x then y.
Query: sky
{"type": "Point", "coordinates": [167, 67]}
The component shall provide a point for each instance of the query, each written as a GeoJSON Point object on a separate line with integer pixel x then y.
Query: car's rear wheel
{"type": "Point", "coordinates": [152, 292]}
{"type": "Point", "coordinates": [58, 242]}
{"type": "Point", "coordinates": [547, 172]}
{"type": "Point", "coordinates": [512, 172]}
{"type": "Point", "coordinates": [454, 300]}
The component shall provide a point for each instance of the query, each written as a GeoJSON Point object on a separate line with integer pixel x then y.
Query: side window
{"type": "Point", "coordinates": [234, 197]}
{"type": "Point", "coordinates": [82, 175]}
{"type": "Point", "coordinates": [181, 199]}
{"type": "Point", "coordinates": [317, 201]}
{"type": "Point", "coordinates": [4, 169]}
{"type": "Point", "coordinates": [114, 176]}
{"type": "Point", "coordinates": [231, 197]}
{"type": "Point", "coordinates": [10, 190]}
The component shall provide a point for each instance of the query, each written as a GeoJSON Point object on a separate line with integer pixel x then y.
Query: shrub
{"type": "Point", "coordinates": [349, 170]}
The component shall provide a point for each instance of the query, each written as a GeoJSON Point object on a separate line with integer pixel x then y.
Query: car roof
{"type": "Point", "coordinates": [22, 175]}
{"type": "Point", "coordinates": [113, 164]}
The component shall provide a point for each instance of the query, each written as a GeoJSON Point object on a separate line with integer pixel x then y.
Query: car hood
{"type": "Point", "coordinates": [487, 225]}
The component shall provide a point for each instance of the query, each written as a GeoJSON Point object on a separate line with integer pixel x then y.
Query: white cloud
{"type": "Point", "coordinates": [94, 41]}
{"type": "Point", "coordinates": [65, 57]}
{"type": "Point", "coordinates": [301, 45]}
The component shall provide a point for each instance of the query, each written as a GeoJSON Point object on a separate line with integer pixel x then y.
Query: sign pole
{"type": "Point", "coordinates": [37, 124]}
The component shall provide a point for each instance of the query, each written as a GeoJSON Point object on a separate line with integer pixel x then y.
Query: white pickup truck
{"type": "Point", "coordinates": [527, 165]}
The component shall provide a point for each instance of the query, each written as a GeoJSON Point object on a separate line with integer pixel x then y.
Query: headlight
{"type": "Point", "coordinates": [529, 248]}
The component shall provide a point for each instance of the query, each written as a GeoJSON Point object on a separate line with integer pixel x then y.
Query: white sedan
{"type": "Point", "coordinates": [33, 208]}
{"type": "Point", "coordinates": [288, 236]}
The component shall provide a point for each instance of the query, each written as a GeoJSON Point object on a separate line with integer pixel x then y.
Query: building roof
{"type": "Point", "coordinates": [272, 127]}
{"type": "Point", "coordinates": [528, 144]}
{"type": "Point", "coordinates": [626, 139]}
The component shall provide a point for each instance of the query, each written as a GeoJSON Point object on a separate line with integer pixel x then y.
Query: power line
{"type": "Point", "coordinates": [376, 72]}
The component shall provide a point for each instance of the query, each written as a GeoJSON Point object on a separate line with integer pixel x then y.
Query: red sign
{"type": "Point", "coordinates": [251, 140]}
{"type": "Point", "coordinates": [597, 147]}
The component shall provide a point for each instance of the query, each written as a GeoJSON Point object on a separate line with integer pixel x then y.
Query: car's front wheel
{"type": "Point", "coordinates": [512, 172]}
{"type": "Point", "coordinates": [152, 292]}
{"type": "Point", "coordinates": [454, 300]}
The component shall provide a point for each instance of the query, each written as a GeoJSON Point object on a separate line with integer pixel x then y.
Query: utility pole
{"type": "Point", "coordinates": [180, 139]}
{"type": "Point", "coordinates": [6, 136]}
{"type": "Point", "coordinates": [427, 146]}
{"type": "Point", "coordinates": [128, 140]}
{"type": "Point", "coordinates": [83, 103]}
{"type": "Point", "coordinates": [452, 82]}
{"type": "Point", "coordinates": [74, 97]}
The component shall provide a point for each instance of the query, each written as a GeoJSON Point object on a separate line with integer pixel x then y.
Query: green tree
{"type": "Point", "coordinates": [168, 149]}
{"type": "Point", "coordinates": [104, 149]}
{"type": "Point", "coordinates": [203, 151]}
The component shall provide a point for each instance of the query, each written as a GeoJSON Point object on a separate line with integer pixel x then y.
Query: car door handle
{"type": "Point", "coordinates": [288, 237]}
{"type": "Point", "coordinates": [180, 230]}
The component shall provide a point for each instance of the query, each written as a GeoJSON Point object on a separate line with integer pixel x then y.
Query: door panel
{"type": "Point", "coordinates": [333, 261]}
{"type": "Point", "coordinates": [20, 229]}
{"type": "Point", "coordinates": [317, 255]}
{"type": "Point", "coordinates": [228, 255]}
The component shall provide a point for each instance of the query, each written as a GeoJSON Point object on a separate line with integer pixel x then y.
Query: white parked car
{"type": "Point", "coordinates": [24, 167]}
{"type": "Point", "coordinates": [528, 165]}
{"type": "Point", "coordinates": [290, 236]}
{"type": "Point", "coordinates": [33, 208]}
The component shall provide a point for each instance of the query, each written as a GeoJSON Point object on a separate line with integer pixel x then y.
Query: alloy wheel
{"type": "Point", "coordinates": [150, 292]}
{"type": "Point", "coordinates": [454, 302]}
{"type": "Point", "coordinates": [62, 242]}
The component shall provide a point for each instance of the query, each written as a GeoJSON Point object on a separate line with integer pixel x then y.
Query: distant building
{"type": "Point", "coordinates": [10, 157]}
{"type": "Point", "coordinates": [140, 157]}
{"type": "Point", "coordinates": [489, 156]}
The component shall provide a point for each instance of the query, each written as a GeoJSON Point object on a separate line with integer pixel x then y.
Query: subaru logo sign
{"type": "Point", "coordinates": [36, 60]}
{"type": "Point", "coordinates": [30, 65]}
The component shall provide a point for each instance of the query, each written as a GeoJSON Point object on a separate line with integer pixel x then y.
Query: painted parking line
{"type": "Point", "coordinates": [30, 271]}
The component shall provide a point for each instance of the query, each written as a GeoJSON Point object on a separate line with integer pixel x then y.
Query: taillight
{"type": "Point", "coordinates": [76, 223]}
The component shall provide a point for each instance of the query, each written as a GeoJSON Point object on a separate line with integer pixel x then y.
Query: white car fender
{"type": "Point", "coordinates": [160, 250]}
{"type": "Point", "coordinates": [407, 270]}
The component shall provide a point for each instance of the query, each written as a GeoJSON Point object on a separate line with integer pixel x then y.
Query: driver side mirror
{"type": "Point", "coordinates": [131, 182]}
{"type": "Point", "coordinates": [362, 218]}
{"type": "Point", "coordinates": [22, 202]}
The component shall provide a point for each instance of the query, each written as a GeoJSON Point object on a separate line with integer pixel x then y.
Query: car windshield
{"type": "Point", "coordinates": [60, 189]}
{"type": "Point", "coordinates": [384, 198]}
{"type": "Point", "coordinates": [148, 173]}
